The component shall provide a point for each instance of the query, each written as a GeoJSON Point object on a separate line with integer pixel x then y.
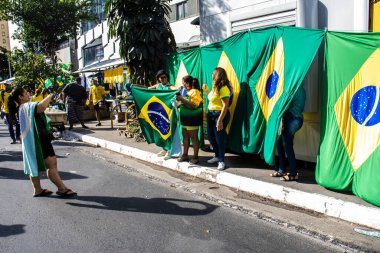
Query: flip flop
{"type": "Point", "coordinates": [44, 193]}
{"type": "Point", "coordinates": [66, 193]}
{"type": "Point", "coordinates": [194, 161]}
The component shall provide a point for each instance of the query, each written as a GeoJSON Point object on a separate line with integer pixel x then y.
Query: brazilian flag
{"type": "Point", "coordinates": [279, 59]}
{"type": "Point", "coordinates": [231, 55]}
{"type": "Point", "coordinates": [350, 126]}
{"type": "Point", "coordinates": [182, 64]}
{"type": "Point", "coordinates": [156, 114]}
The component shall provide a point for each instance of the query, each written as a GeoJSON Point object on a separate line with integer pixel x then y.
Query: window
{"type": "Point", "coordinates": [2, 26]}
{"type": "Point", "coordinates": [98, 10]}
{"type": "Point", "coordinates": [182, 10]}
{"type": "Point", "coordinates": [3, 34]}
{"type": "Point", "coordinates": [4, 41]}
{"type": "Point", "coordinates": [93, 54]}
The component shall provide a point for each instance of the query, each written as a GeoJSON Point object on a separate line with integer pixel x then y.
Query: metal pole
{"type": "Point", "coordinates": [9, 68]}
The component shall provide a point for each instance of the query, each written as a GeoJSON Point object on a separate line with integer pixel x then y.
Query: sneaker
{"type": "Point", "coordinates": [221, 166]}
{"type": "Point", "coordinates": [84, 126]}
{"type": "Point", "coordinates": [167, 157]}
{"type": "Point", "coordinates": [13, 142]}
{"type": "Point", "coordinates": [213, 160]}
{"type": "Point", "coordinates": [99, 124]}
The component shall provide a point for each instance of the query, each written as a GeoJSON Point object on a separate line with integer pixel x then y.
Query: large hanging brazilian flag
{"type": "Point", "coordinates": [230, 54]}
{"type": "Point", "coordinates": [279, 59]}
{"type": "Point", "coordinates": [156, 114]}
{"type": "Point", "coordinates": [349, 156]}
{"type": "Point", "coordinates": [185, 63]}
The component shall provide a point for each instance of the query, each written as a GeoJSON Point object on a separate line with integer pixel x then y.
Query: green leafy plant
{"type": "Point", "coordinates": [47, 22]}
{"type": "Point", "coordinates": [144, 32]}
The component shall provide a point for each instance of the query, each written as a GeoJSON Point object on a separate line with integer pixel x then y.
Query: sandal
{"type": "Point", "coordinates": [183, 159]}
{"type": "Point", "coordinates": [162, 153]}
{"type": "Point", "coordinates": [44, 193]}
{"type": "Point", "coordinates": [276, 174]}
{"type": "Point", "coordinates": [66, 193]}
{"type": "Point", "coordinates": [289, 178]}
{"type": "Point", "coordinates": [194, 161]}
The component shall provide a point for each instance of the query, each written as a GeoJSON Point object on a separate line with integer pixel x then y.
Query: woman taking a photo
{"type": "Point", "coordinates": [218, 114]}
{"type": "Point", "coordinates": [38, 152]}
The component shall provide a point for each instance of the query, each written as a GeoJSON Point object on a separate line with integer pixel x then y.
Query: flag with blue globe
{"type": "Point", "coordinates": [157, 115]}
{"type": "Point", "coordinates": [350, 127]}
{"type": "Point", "coordinates": [278, 60]}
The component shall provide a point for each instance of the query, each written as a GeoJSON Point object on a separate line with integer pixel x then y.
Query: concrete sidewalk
{"type": "Point", "coordinates": [246, 173]}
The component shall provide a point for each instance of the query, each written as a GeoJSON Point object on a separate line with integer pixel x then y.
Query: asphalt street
{"type": "Point", "coordinates": [122, 208]}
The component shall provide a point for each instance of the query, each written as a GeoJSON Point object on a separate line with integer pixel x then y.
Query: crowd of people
{"type": "Point", "coordinates": [17, 107]}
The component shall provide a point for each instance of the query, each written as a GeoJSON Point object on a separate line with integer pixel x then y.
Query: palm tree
{"type": "Point", "coordinates": [144, 32]}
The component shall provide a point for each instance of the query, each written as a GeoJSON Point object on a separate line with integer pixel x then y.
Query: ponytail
{"type": "Point", "coordinates": [13, 102]}
{"type": "Point", "coordinates": [196, 84]}
{"type": "Point", "coordinates": [12, 107]}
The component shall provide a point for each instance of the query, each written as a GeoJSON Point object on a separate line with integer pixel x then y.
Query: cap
{"type": "Point", "coordinates": [161, 72]}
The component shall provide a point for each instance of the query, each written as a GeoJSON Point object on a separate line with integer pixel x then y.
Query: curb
{"type": "Point", "coordinates": [348, 211]}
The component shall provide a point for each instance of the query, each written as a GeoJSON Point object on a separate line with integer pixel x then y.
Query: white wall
{"type": "Point", "coordinates": [183, 30]}
{"type": "Point", "coordinates": [344, 15]}
{"type": "Point", "coordinates": [64, 55]}
{"type": "Point", "coordinates": [13, 42]}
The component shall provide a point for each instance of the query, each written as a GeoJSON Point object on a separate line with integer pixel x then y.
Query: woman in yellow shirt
{"type": "Point", "coordinates": [38, 97]}
{"type": "Point", "coordinates": [191, 117]}
{"type": "Point", "coordinates": [218, 114]}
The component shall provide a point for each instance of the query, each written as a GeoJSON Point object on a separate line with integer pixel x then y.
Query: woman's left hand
{"type": "Point", "coordinates": [219, 126]}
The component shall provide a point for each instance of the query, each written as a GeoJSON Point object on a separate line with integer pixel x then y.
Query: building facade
{"type": "Point", "coordinates": [4, 35]}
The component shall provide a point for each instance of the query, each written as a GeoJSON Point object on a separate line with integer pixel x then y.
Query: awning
{"type": "Point", "coordinates": [101, 65]}
{"type": "Point", "coordinates": [94, 43]}
{"type": "Point", "coordinates": [8, 81]}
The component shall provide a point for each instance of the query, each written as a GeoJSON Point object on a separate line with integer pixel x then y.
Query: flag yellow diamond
{"type": "Point", "coordinates": [270, 86]}
{"type": "Point", "coordinates": [181, 73]}
{"type": "Point", "coordinates": [357, 112]}
{"type": "Point", "coordinates": [225, 63]}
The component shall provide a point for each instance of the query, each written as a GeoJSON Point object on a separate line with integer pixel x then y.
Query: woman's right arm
{"type": "Point", "coordinates": [205, 89]}
{"type": "Point", "coordinates": [41, 107]}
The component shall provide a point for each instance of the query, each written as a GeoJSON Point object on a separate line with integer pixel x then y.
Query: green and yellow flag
{"type": "Point", "coordinates": [230, 54]}
{"type": "Point", "coordinates": [278, 60]}
{"type": "Point", "coordinates": [156, 114]}
{"type": "Point", "coordinates": [350, 127]}
{"type": "Point", "coordinates": [185, 63]}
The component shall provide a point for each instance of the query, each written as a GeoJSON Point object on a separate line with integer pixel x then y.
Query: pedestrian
{"type": "Point", "coordinates": [11, 121]}
{"type": "Point", "coordinates": [97, 94]}
{"type": "Point", "coordinates": [38, 152]}
{"type": "Point", "coordinates": [218, 115]}
{"type": "Point", "coordinates": [38, 97]}
{"type": "Point", "coordinates": [191, 117]}
{"type": "Point", "coordinates": [75, 96]}
{"type": "Point", "coordinates": [176, 147]}
{"type": "Point", "coordinates": [291, 122]}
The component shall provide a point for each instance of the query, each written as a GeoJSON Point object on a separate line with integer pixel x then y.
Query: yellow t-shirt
{"type": "Point", "coordinates": [38, 98]}
{"type": "Point", "coordinates": [194, 96]}
{"type": "Point", "coordinates": [96, 94]}
{"type": "Point", "coordinates": [4, 101]}
{"type": "Point", "coordinates": [215, 98]}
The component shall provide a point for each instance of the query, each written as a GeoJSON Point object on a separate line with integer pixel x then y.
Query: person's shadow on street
{"type": "Point", "coordinates": [10, 230]}
{"type": "Point", "coordinates": [147, 205]}
{"type": "Point", "coordinates": [18, 174]}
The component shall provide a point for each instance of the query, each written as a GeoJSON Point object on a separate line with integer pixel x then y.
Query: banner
{"type": "Point", "coordinates": [278, 60]}
{"type": "Point", "coordinates": [350, 125]}
{"type": "Point", "coordinates": [157, 117]}
{"type": "Point", "coordinates": [182, 64]}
